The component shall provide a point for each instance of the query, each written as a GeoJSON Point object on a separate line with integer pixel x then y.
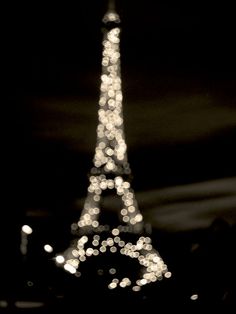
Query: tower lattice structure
{"type": "Point", "coordinates": [110, 174]}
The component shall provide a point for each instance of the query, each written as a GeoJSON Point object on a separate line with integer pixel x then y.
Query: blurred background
{"type": "Point", "coordinates": [178, 75]}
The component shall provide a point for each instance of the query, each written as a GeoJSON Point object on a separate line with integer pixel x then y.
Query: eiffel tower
{"type": "Point", "coordinates": [110, 177]}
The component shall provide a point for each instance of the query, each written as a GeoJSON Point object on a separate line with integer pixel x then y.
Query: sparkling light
{"type": "Point", "coordinates": [112, 285]}
{"type": "Point", "coordinates": [110, 172]}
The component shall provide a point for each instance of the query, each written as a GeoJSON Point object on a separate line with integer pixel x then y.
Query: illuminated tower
{"type": "Point", "coordinates": [110, 175]}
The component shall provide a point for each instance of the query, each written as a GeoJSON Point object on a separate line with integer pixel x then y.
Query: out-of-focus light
{"type": "Point", "coordinates": [27, 229]}
{"type": "Point", "coordinates": [110, 171]}
{"type": "Point", "coordinates": [30, 283]}
{"type": "Point", "coordinates": [48, 248]}
{"type": "Point", "coordinates": [122, 284]}
{"type": "Point", "coordinates": [70, 268]}
{"type": "Point", "coordinates": [28, 304]}
{"type": "Point", "coordinates": [112, 285]}
{"type": "Point", "coordinates": [113, 249]}
{"type": "Point", "coordinates": [112, 271]}
{"type": "Point", "coordinates": [194, 297]}
{"type": "Point", "coordinates": [60, 259]}
{"type": "Point", "coordinates": [3, 303]}
{"type": "Point", "coordinates": [115, 231]}
{"type": "Point", "coordinates": [168, 274]}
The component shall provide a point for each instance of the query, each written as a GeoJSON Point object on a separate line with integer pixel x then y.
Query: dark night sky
{"type": "Point", "coordinates": [178, 71]}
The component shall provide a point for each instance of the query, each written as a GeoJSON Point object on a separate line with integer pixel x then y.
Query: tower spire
{"type": "Point", "coordinates": [111, 5]}
{"type": "Point", "coordinates": [110, 174]}
{"type": "Point", "coordinates": [111, 14]}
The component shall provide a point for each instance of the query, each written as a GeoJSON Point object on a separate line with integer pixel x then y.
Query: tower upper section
{"type": "Point", "coordinates": [110, 152]}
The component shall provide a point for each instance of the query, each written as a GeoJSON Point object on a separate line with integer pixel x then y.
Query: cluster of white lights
{"type": "Point", "coordinates": [110, 172]}
{"type": "Point", "coordinates": [110, 152]}
{"type": "Point", "coordinates": [129, 212]}
{"type": "Point", "coordinates": [153, 267]}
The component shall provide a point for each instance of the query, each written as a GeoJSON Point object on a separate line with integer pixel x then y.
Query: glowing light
{"type": "Point", "coordinates": [60, 259]}
{"type": "Point", "coordinates": [82, 258]}
{"type": "Point", "coordinates": [194, 297]}
{"type": "Point", "coordinates": [112, 271]}
{"type": "Point", "coordinates": [113, 249]}
{"type": "Point", "coordinates": [95, 242]}
{"type": "Point", "coordinates": [168, 274]}
{"type": "Point", "coordinates": [103, 249]}
{"type": "Point", "coordinates": [70, 268]}
{"type": "Point", "coordinates": [112, 285]}
{"type": "Point", "coordinates": [48, 248]}
{"type": "Point", "coordinates": [143, 282]}
{"type": "Point", "coordinates": [110, 171]}
{"type": "Point", "coordinates": [28, 304]}
{"type": "Point", "coordinates": [100, 272]}
{"type": "Point", "coordinates": [123, 284]}
{"type": "Point", "coordinates": [115, 232]}
{"type": "Point", "coordinates": [3, 303]}
{"type": "Point", "coordinates": [27, 229]}
{"type": "Point", "coordinates": [95, 252]}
